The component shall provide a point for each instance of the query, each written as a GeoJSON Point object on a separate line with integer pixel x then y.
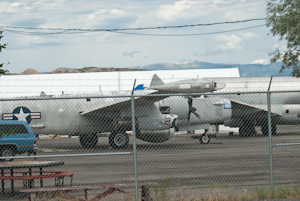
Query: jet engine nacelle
{"type": "Point", "coordinates": [157, 128]}
{"type": "Point", "coordinates": [196, 111]}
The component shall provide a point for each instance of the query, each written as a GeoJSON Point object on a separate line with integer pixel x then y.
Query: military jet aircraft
{"type": "Point", "coordinates": [250, 110]}
{"type": "Point", "coordinates": [87, 115]}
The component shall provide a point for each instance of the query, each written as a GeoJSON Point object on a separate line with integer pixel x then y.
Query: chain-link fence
{"type": "Point", "coordinates": [187, 145]}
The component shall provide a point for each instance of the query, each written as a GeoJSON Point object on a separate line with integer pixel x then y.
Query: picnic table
{"type": "Point", "coordinates": [28, 176]}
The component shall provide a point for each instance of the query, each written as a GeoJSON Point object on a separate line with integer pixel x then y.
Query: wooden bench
{"type": "Point", "coordinates": [28, 177]}
{"type": "Point", "coordinates": [112, 188]}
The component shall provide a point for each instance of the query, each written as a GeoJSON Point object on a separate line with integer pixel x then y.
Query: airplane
{"type": "Point", "coordinates": [211, 110]}
{"type": "Point", "coordinates": [101, 112]}
{"type": "Point", "coordinates": [250, 110]}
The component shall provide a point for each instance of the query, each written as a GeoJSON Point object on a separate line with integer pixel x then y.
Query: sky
{"type": "Point", "coordinates": [47, 52]}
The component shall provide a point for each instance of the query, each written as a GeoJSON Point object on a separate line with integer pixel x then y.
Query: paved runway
{"type": "Point", "coordinates": [231, 161]}
{"type": "Point", "coordinates": [228, 161]}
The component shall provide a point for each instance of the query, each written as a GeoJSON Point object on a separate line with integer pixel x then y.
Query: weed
{"type": "Point", "coordinates": [285, 192]}
{"type": "Point", "coordinates": [261, 192]}
{"type": "Point", "coordinates": [161, 188]}
{"type": "Point", "coordinates": [216, 186]}
{"type": "Point", "coordinates": [232, 197]}
{"type": "Point", "coordinates": [272, 193]}
{"type": "Point", "coordinates": [297, 189]}
{"type": "Point", "coordinates": [213, 193]}
{"type": "Point", "coordinates": [245, 197]}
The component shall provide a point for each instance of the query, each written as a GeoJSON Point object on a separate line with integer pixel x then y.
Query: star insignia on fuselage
{"type": "Point", "coordinates": [21, 114]}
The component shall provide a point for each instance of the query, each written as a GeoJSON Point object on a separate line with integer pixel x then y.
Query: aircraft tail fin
{"type": "Point", "coordinates": [43, 94]}
{"type": "Point", "coordinates": [156, 81]}
{"type": "Point", "coordinates": [140, 87]}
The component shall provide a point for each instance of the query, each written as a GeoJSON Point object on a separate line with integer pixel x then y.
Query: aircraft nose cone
{"type": "Point", "coordinates": [219, 85]}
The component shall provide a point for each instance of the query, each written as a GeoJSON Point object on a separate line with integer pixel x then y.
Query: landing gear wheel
{"type": "Point", "coordinates": [7, 152]}
{"type": "Point", "coordinates": [204, 139]}
{"type": "Point", "coordinates": [88, 141]}
{"type": "Point", "coordinates": [118, 140]}
{"type": "Point", "coordinates": [265, 129]}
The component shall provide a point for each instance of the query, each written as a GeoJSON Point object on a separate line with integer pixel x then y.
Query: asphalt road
{"type": "Point", "coordinates": [227, 161]}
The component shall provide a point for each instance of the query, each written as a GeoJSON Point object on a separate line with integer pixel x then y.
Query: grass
{"type": "Point", "coordinates": [160, 191]}
{"type": "Point", "coordinates": [161, 188]}
{"type": "Point", "coordinates": [216, 186]}
{"type": "Point", "coordinates": [279, 192]}
{"type": "Point", "coordinates": [222, 192]}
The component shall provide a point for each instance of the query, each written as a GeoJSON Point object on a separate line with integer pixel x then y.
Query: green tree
{"type": "Point", "coordinates": [283, 16]}
{"type": "Point", "coordinates": [2, 71]}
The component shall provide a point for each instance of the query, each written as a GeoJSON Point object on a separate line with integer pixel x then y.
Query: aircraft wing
{"type": "Point", "coordinates": [114, 105]}
{"type": "Point", "coordinates": [113, 102]}
{"type": "Point", "coordinates": [240, 108]}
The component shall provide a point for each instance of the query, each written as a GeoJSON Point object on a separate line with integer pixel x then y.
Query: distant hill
{"type": "Point", "coordinates": [91, 69]}
{"type": "Point", "coordinates": [30, 71]}
{"type": "Point", "coordinates": [246, 70]}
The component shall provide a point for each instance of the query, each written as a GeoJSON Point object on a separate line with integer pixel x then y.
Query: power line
{"type": "Point", "coordinates": [131, 29]}
{"type": "Point", "coordinates": [195, 34]}
{"type": "Point", "coordinates": [35, 33]}
{"type": "Point", "coordinates": [131, 33]}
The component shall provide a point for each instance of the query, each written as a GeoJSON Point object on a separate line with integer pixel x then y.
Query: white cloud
{"type": "Point", "coordinates": [44, 41]}
{"type": "Point", "coordinates": [130, 54]}
{"type": "Point", "coordinates": [109, 18]}
{"type": "Point", "coordinates": [281, 47]}
{"type": "Point", "coordinates": [276, 46]}
{"type": "Point", "coordinates": [228, 43]}
{"type": "Point", "coordinates": [184, 8]}
{"type": "Point", "coordinates": [260, 61]}
{"type": "Point", "coordinates": [3, 6]}
{"type": "Point", "coordinates": [223, 9]}
{"type": "Point", "coordinates": [245, 10]}
{"type": "Point", "coordinates": [248, 35]}
{"type": "Point", "coordinates": [17, 7]}
{"type": "Point", "coordinates": [54, 5]}
{"type": "Point", "coordinates": [190, 9]}
{"type": "Point", "coordinates": [224, 44]}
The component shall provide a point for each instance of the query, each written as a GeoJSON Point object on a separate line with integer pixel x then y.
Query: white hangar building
{"type": "Point", "coordinates": [74, 83]}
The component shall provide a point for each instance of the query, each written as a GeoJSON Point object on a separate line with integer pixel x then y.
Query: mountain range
{"type": "Point", "coordinates": [246, 70]}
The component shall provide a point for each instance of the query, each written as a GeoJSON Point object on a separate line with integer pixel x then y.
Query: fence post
{"type": "Point", "coordinates": [270, 133]}
{"type": "Point", "coordinates": [134, 146]}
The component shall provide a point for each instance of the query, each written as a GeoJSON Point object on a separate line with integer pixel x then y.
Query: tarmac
{"type": "Point", "coordinates": [237, 163]}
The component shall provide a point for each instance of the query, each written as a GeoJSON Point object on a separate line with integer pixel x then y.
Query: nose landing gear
{"type": "Point", "coordinates": [204, 138]}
